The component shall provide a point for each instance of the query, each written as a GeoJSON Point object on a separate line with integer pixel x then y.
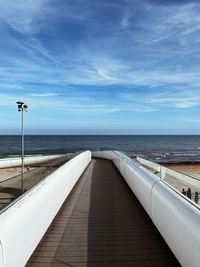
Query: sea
{"type": "Point", "coordinates": [157, 148]}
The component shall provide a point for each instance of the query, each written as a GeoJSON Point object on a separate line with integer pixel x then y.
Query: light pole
{"type": "Point", "coordinates": [21, 108]}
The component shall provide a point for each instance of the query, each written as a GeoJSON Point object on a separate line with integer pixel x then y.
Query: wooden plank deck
{"type": "Point", "coordinates": [102, 224]}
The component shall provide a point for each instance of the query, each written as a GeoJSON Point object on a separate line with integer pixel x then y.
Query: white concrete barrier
{"type": "Point", "coordinates": [188, 180]}
{"type": "Point", "coordinates": [139, 180]}
{"type": "Point", "coordinates": [23, 225]}
{"type": "Point", "coordinates": [1, 255]}
{"type": "Point", "coordinates": [152, 165]}
{"type": "Point", "coordinates": [16, 162]}
{"type": "Point", "coordinates": [177, 220]}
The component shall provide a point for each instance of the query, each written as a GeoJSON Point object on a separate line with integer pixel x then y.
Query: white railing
{"type": "Point", "coordinates": [163, 172]}
{"type": "Point", "coordinates": [23, 225]}
{"type": "Point", "coordinates": [152, 165]}
{"type": "Point", "coordinates": [176, 219]}
{"type": "Point", "coordinates": [16, 162]}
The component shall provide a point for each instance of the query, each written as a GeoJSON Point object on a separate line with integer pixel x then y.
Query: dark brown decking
{"type": "Point", "coordinates": [102, 224]}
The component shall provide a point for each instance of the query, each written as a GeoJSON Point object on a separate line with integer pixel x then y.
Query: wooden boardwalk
{"type": "Point", "coordinates": [102, 224]}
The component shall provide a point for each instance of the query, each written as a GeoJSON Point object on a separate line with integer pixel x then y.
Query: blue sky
{"type": "Point", "coordinates": [100, 66]}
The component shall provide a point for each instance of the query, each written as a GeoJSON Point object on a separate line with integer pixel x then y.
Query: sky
{"type": "Point", "coordinates": [100, 66]}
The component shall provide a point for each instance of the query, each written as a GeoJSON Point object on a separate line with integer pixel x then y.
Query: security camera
{"type": "Point", "coordinates": [20, 103]}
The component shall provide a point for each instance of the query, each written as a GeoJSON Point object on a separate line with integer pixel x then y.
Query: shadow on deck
{"type": "Point", "coordinates": [102, 224]}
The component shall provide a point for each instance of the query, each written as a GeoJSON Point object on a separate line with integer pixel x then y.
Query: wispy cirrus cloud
{"type": "Point", "coordinates": [101, 57]}
{"type": "Point", "coordinates": [166, 99]}
{"type": "Point", "coordinates": [47, 94]}
{"type": "Point", "coordinates": [65, 105]}
{"type": "Point", "coordinates": [23, 16]}
{"type": "Point", "coordinates": [156, 50]}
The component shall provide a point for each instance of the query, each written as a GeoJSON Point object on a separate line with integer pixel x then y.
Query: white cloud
{"type": "Point", "coordinates": [151, 52]}
{"type": "Point", "coordinates": [171, 99]}
{"type": "Point", "coordinates": [143, 65]}
{"type": "Point", "coordinates": [23, 16]}
{"type": "Point", "coordinates": [65, 105]}
{"type": "Point", "coordinates": [44, 94]}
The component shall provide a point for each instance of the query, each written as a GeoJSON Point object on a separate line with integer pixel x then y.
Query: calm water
{"type": "Point", "coordinates": [157, 148]}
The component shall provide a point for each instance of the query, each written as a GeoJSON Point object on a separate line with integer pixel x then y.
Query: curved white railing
{"type": "Point", "coordinates": [16, 162]}
{"type": "Point", "coordinates": [163, 171]}
{"type": "Point", "coordinates": [177, 220]}
{"type": "Point", "coordinates": [25, 222]}
{"type": "Point", "coordinates": [1, 255]}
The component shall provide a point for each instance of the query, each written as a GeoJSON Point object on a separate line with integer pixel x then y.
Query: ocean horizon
{"type": "Point", "coordinates": [158, 148]}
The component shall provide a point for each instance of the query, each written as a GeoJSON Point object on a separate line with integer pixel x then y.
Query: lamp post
{"type": "Point", "coordinates": [21, 108]}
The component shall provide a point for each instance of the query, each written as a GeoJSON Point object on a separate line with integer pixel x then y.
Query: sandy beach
{"type": "Point", "coordinates": [10, 172]}
{"type": "Point", "coordinates": [191, 170]}
{"type": "Point", "coordinates": [188, 169]}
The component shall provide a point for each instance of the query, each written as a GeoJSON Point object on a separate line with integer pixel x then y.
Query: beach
{"type": "Point", "coordinates": [10, 172]}
{"type": "Point", "coordinates": [188, 169]}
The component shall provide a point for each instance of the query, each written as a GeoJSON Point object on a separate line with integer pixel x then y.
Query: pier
{"type": "Point", "coordinates": [102, 224]}
{"type": "Point", "coordinates": [100, 209]}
